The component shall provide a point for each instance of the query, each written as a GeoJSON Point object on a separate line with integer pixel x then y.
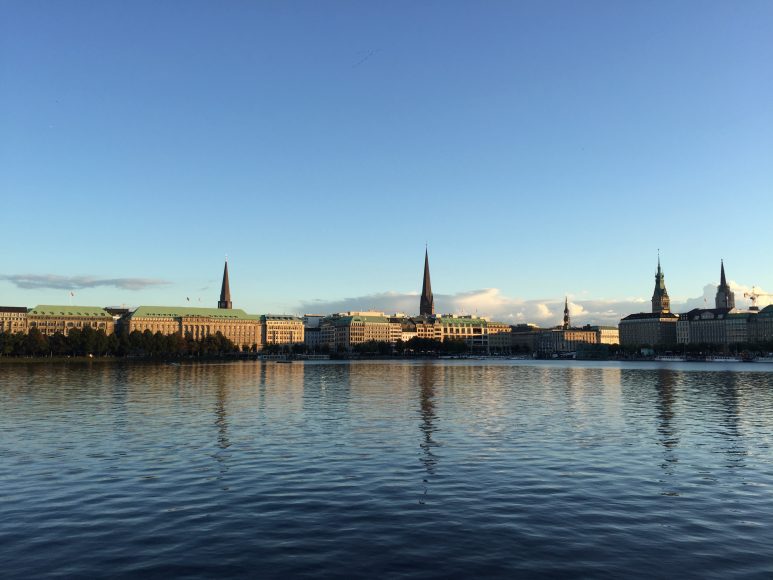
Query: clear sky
{"type": "Point", "coordinates": [540, 148]}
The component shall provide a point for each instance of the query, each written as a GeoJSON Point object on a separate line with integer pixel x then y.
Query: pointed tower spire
{"type": "Point", "coordinates": [427, 300]}
{"type": "Point", "coordinates": [567, 322]}
{"type": "Point", "coordinates": [661, 303]}
{"type": "Point", "coordinates": [225, 290]}
{"type": "Point", "coordinates": [725, 298]}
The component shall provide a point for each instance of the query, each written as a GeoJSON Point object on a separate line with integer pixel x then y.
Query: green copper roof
{"type": "Point", "coordinates": [346, 320]}
{"type": "Point", "coordinates": [180, 311]}
{"type": "Point", "coordinates": [53, 310]}
{"type": "Point", "coordinates": [462, 321]}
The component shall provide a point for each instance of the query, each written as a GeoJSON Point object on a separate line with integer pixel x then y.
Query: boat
{"type": "Point", "coordinates": [670, 358]}
{"type": "Point", "coordinates": [723, 358]}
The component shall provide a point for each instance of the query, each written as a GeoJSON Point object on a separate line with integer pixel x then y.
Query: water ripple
{"type": "Point", "coordinates": [415, 470]}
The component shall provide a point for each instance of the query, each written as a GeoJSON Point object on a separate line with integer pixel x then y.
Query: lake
{"type": "Point", "coordinates": [423, 469]}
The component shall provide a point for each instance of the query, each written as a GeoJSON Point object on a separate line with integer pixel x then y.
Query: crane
{"type": "Point", "coordinates": [753, 295]}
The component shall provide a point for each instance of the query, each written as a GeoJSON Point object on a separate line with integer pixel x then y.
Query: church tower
{"type": "Point", "coordinates": [725, 298]}
{"type": "Point", "coordinates": [567, 322]}
{"type": "Point", "coordinates": [661, 303]}
{"type": "Point", "coordinates": [427, 301]}
{"type": "Point", "coordinates": [225, 290]}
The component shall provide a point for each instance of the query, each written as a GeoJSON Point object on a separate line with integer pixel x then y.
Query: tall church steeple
{"type": "Point", "coordinates": [225, 290]}
{"type": "Point", "coordinates": [725, 298]}
{"type": "Point", "coordinates": [567, 322]}
{"type": "Point", "coordinates": [427, 301]}
{"type": "Point", "coordinates": [661, 303]}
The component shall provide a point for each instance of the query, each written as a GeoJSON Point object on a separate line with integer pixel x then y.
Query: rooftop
{"type": "Point", "coordinates": [184, 311]}
{"type": "Point", "coordinates": [55, 310]}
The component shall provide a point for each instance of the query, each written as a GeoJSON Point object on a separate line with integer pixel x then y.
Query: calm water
{"type": "Point", "coordinates": [386, 469]}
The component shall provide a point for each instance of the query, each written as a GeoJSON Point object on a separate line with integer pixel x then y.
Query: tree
{"type": "Point", "coordinates": [36, 343]}
{"type": "Point", "coordinates": [58, 345]}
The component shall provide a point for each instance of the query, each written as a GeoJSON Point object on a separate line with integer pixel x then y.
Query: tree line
{"type": "Point", "coordinates": [88, 341]}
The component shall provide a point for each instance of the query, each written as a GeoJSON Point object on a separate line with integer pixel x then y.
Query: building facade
{"type": "Point", "coordinates": [760, 328]}
{"type": "Point", "coordinates": [282, 329]}
{"type": "Point", "coordinates": [197, 323]}
{"type": "Point", "coordinates": [13, 319]}
{"type": "Point", "coordinates": [52, 319]}
{"type": "Point", "coordinates": [523, 337]}
{"type": "Point", "coordinates": [648, 329]}
{"type": "Point", "coordinates": [341, 332]}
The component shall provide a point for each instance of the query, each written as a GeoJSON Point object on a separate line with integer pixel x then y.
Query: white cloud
{"type": "Point", "coordinates": [544, 312]}
{"type": "Point", "coordinates": [56, 282]}
{"type": "Point", "coordinates": [488, 302]}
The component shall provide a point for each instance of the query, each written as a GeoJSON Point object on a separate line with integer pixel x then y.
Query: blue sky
{"type": "Point", "coordinates": [540, 148]}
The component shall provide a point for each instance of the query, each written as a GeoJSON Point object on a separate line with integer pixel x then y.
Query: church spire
{"type": "Point", "coordinates": [427, 301]}
{"type": "Point", "coordinates": [725, 298]}
{"type": "Point", "coordinates": [225, 290]}
{"type": "Point", "coordinates": [661, 303]}
{"type": "Point", "coordinates": [567, 322]}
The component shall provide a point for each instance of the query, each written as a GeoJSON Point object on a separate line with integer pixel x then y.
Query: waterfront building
{"type": "Point", "coordinates": [499, 341]}
{"type": "Point", "coordinates": [13, 319]}
{"type": "Point", "coordinates": [721, 326]}
{"type": "Point", "coordinates": [197, 323]}
{"type": "Point", "coordinates": [648, 329]}
{"type": "Point", "coordinates": [312, 338]}
{"type": "Point", "coordinates": [407, 326]}
{"type": "Point", "coordinates": [656, 328]}
{"type": "Point", "coordinates": [717, 326]}
{"type": "Point", "coordinates": [244, 330]}
{"type": "Point", "coordinates": [345, 330]}
{"type": "Point", "coordinates": [761, 326]}
{"type": "Point", "coordinates": [426, 327]}
{"type": "Point", "coordinates": [427, 300]}
{"type": "Point", "coordinates": [282, 329]}
{"type": "Point", "coordinates": [50, 319]}
{"type": "Point", "coordinates": [312, 333]}
{"type": "Point", "coordinates": [727, 328]}
{"type": "Point", "coordinates": [563, 340]}
{"type": "Point", "coordinates": [607, 334]}
{"type": "Point", "coordinates": [472, 331]}
{"type": "Point", "coordinates": [523, 337]}
{"type": "Point", "coordinates": [569, 340]}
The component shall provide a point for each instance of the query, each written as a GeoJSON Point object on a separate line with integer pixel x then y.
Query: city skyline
{"type": "Point", "coordinates": [542, 150]}
{"type": "Point", "coordinates": [488, 303]}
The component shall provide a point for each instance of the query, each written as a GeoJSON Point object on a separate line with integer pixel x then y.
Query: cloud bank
{"type": "Point", "coordinates": [544, 312]}
{"type": "Point", "coordinates": [54, 282]}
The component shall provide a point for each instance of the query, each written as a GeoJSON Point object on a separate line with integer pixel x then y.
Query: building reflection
{"type": "Point", "coordinates": [428, 424]}
{"type": "Point", "coordinates": [221, 415]}
{"type": "Point", "coordinates": [732, 436]}
{"type": "Point", "coordinates": [668, 435]}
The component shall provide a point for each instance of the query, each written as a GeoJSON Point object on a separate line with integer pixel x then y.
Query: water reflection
{"type": "Point", "coordinates": [221, 416]}
{"type": "Point", "coordinates": [665, 387]}
{"type": "Point", "coordinates": [428, 426]}
{"type": "Point", "coordinates": [732, 437]}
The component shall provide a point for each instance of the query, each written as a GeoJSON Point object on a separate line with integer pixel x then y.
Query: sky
{"type": "Point", "coordinates": [541, 149]}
